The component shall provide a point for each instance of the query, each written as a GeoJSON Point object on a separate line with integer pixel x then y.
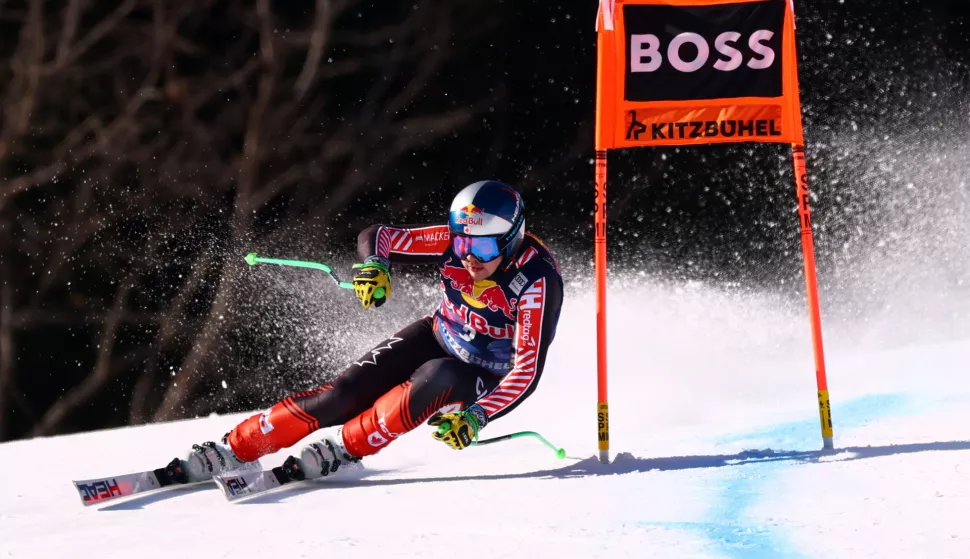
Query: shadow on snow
{"type": "Point", "coordinates": [139, 501]}
{"type": "Point", "coordinates": [626, 463]}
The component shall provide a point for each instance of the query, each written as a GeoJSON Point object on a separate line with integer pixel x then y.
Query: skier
{"type": "Point", "coordinates": [473, 360]}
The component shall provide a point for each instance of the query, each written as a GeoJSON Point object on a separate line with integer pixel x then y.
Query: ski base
{"type": "Point", "coordinates": [102, 490]}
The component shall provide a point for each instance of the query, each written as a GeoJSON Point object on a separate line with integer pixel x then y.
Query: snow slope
{"type": "Point", "coordinates": [714, 432]}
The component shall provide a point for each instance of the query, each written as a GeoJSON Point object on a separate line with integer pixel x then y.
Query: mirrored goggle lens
{"type": "Point", "coordinates": [482, 248]}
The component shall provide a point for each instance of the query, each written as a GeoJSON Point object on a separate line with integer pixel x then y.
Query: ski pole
{"type": "Point", "coordinates": [560, 452]}
{"type": "Point", "coordinates": [252, 260]}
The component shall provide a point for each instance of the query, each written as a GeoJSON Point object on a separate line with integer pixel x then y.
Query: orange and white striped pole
{"type": "Point", "coordinates": [599, 258]}
{"type": "Point", "coordinates": [811, 290]}
{"type": "Point", "coordinates": [808, 242]}
{"type": "Point", "coordinates": [604, 139]}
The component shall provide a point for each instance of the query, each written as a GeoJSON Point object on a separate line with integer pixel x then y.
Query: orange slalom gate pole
{"type": "Point", "coordinates": [605, 96]}
{"type": "Point", "coordinates": [811, 288]}
{"type": "Point", "coordinates": [599, 257]}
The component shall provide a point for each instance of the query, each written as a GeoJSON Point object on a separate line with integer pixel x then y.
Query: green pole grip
{"type": "Point", "coordinates": [252, 259]}
{"type": "Point", "coordinates": [560, 452]}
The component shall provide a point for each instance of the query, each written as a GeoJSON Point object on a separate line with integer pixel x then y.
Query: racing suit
{"type": "Point", "coordinates": [485, 343]}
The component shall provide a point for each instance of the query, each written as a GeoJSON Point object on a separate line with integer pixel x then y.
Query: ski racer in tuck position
{"type": "Point", "coordinates": [471, 361]}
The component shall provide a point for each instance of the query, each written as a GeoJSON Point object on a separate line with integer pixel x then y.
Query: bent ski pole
{"type": "Point", "coordinates": [252, 260]}
{"type": "Point", "coordinates": [560, 452]}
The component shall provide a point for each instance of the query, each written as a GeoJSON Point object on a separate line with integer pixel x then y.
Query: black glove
{"type": "Point", "coordinates": [459, 429]}
{"type": "Point", "coordinates": [372, 284]}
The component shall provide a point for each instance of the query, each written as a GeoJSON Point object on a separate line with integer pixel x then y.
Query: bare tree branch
{"type": "Point", "coordinates": [181, 389]}
{"type": "Point", "coordinates": [97, 33]}
{"type": "Point", "coordinates": [6, 349]}
{"type": "Point", "coordinates": [102, 373]}
{"type": "Point", "coordinates": [171, 326]}
{"type": "Point", "coordinates": [314, 54]}
{"type": "Point", "coordinates": [189, 375]}
{"type": "Point", "coordinates": [20, 184]}
{"type": "Point", "coordinates": [36, 318]}
{"type": "Point", "coordinates": [147, 154]}
{"type": "Point", "coordinates": [68, 31]}
{"type": "Point", "coordinates": [26, 65]}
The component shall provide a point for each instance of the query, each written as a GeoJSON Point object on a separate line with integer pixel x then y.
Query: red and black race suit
{"type": "Point", "coordinates": [503, 324]}
{"type": "Point", "coordinates": [485, 343]}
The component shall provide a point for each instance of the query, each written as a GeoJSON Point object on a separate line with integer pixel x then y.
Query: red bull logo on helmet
{"type": "Point", "coordinates": [470, 215]}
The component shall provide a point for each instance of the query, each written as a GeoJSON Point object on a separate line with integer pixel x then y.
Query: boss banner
{"type": "Point", "coordinates": [678, 72]}
{"type": "Point", "coordinates": [675, 72]}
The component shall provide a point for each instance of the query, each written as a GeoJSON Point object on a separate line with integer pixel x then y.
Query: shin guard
{"type": "Point", "coordinates": [281, 426]}
{"type": "Point", "coordinates": [376, 427]}
{"type": "Point", "coordinates": [393, 414]}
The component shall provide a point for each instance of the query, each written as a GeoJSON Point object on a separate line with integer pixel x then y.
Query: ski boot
{"type": "Point", "coordinates": [206, 460]}
{"type": "Point", "coordinates": [321, 458]}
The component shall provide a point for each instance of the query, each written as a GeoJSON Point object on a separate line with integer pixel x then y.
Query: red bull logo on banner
{"type": "Point", "coordinates": [470, 215]}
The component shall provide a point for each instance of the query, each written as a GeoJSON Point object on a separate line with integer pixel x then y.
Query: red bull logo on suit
{"type": "Point", "coordinates": [493, 297]}
{"type": "Point", "coordinates": [459, 277]}
{"type": "Point", "coordinates": [479, 294]}
{"type": "Point", "coordinates": [477, 322]}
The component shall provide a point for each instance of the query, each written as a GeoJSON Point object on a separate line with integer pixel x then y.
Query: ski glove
{"type": "Point", "coordinates": [459, 429]}
{"type": "Point", "coordinates": [372, 283]}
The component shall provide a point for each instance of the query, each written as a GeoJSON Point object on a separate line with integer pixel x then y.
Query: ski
{"type": "Point", "coordinates": [101, 490]}
{"type": "Point", "coordinates": [240, 485]}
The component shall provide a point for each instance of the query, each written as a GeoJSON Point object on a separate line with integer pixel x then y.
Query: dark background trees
{"type": "Point", "coordinates": [146, 145]}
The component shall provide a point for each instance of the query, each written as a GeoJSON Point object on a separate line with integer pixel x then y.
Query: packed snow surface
{"type": "Point", "coordinates": [716, 453]}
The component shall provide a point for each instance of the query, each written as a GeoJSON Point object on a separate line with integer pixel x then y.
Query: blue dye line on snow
{"type": "Point", "coordinates": [850, 415]}
{"type": "Point", "coordinates": [725, 525]}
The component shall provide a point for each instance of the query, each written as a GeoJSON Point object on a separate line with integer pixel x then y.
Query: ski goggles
{"type": "Point", "coordinates": [485, 249]}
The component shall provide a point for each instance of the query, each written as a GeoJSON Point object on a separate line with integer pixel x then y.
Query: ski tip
{"type": "Point", "coordinates": [82, 494]}
{"type": "Point", "coordinates": [100, 491]}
